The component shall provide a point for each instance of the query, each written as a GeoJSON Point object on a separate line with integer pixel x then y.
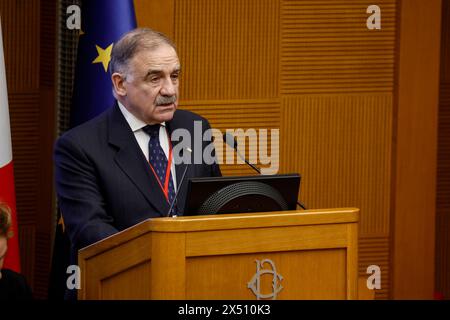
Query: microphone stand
{"type": "Point", "coordinates": [250, 164]}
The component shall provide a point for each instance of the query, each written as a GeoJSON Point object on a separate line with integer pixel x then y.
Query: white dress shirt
{"type": "Point", "coordinates": [143, 138]}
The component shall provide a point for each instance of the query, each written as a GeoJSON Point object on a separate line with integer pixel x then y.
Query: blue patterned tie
{"type": "Point", "coordinates": [158, 160]}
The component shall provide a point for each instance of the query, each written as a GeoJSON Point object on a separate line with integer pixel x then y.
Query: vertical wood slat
{"type": "Point", "coordinates": [47, 51]}
{"type": "Point", "coordinates": [47, 123]}
{"type": "Point", "coordinates": [24, 116]}
{"type": "Point", "coordinates": [443, 165]}
{"type": "Point", "coordinates": [228, 49]}
{"type": "Point", "coordinates": [445, 43]}
{"type": "Point", "coordinates": [443, 191]}
{"type": "Point", "coordinates": [21, 28]}
{"type": "Point", "coordinates": [27, 245]}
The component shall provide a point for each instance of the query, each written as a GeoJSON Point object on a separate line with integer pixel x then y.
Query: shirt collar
{"type": "Point", "coordinates": [134, 123]}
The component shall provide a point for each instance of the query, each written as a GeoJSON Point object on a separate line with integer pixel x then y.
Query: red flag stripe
{"type": "Point", "coordinates": [8, 196]}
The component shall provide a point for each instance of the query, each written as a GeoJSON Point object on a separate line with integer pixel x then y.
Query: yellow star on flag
{"type": "Point", "coordinates": [104, 56]}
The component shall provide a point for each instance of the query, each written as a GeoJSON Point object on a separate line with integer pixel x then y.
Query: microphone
{"type": "Point", "coordinates": [230, 140]}
{"type": "Point", "coordinates": [178, 189]}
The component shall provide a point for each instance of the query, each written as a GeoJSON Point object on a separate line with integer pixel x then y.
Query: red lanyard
{"type": "Point", "coordinates": [165, 189]}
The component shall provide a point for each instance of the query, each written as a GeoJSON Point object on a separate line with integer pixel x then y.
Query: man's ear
{"type": "Point", "coordinates": [118, 83]}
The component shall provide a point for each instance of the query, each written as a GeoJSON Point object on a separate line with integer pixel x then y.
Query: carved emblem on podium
{"type": "Point", "coordinates": [255, 283]}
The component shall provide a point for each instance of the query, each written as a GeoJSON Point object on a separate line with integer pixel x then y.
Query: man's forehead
{"type": "Point", "coordinates": [158, 59]}
{"type": "Point", "coordinates": [162, 66]}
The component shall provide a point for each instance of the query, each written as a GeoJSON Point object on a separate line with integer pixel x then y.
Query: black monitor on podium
{"type": "Point", "coordinates": [242, 194]}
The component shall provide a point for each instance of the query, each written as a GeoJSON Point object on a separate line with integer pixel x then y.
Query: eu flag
{"type": "Point", "coordinates": [103, 22]}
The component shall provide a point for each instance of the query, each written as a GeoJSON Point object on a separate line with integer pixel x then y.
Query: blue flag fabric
{"type": "Point", "coordinates": [103, 22]}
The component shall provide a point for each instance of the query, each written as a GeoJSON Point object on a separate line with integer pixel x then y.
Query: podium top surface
{"type": "Point", "coordinates": [248, 220]}
{"type": "Point", "coordinates": [226, 222]}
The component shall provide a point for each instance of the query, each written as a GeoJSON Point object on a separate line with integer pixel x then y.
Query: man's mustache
{"type": "Point", "coordinates": [164, 100]}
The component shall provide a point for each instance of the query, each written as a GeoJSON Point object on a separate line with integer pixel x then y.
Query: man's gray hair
{"type": "Point", "coordinates": [133, 42]}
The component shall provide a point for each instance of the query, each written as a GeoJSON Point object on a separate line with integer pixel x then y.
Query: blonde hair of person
{"type": "Point", "coordinates": [5, 221]}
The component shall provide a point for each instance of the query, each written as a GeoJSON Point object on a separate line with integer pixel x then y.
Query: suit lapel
{"type": "Point", "coordinates": [131, 160]}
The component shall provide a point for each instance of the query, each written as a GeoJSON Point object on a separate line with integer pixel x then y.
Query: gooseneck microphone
{"type": "Point", "coordinates": [178, 188]}
{"type": "Point", "coordinates": [230, 140]}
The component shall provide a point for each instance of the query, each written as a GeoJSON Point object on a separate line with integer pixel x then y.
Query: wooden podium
{"type": "Point", "coordinates": [284, 255]}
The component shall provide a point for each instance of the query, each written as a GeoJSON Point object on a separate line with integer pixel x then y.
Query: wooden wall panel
{"type": "Point", "coordinates": [47, 123]}
{"type": "Point", "coordinates": [47, 51]}
{"type": "Point", "coordinates": [443, 166]}
{"type": "Point", "coordinates": [414, 182]}
{"type": "Point", "coordinates": [375, 250]}
{"type": "Point", "coordinates": [29, 43]}
{"type": "Point", "coordinates": [43, 247]}
{"type": "Point", "coordinates": [312, 69]}
{"type": "Point", "coordinates": [222, 78]}
{"type": "Point", "coordinates": [228, 49]}
{"type": "Point", "coordinates": [443, 195]}
{"type": "Point", "coordinates": [335, 81]}
{"type": "Point", "coordinates": [445, 43]}
{"type": "Point", "coordinates": [24, 114]}
{"type": "Point", "coordinates": [327, 48]}
{"type": "Point", "coordinates": [20, 24]}
{"type": "Point", "coordinates": [20, 39]}
{"type": "Point", "coordinates": [27, 242]}
{"type": "Point", "coordinates": [243, 114]}
{"type": "Point", "coordinates": [341, 145]}
{"type": "Point", "coordinates": [156, 14]}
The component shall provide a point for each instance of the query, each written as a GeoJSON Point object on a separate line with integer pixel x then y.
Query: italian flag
{"type": "Point", "coordinates": [7, 191]}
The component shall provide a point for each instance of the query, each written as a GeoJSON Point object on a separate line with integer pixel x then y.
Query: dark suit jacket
{"type": "Point", "coordinates": [103, 180]}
